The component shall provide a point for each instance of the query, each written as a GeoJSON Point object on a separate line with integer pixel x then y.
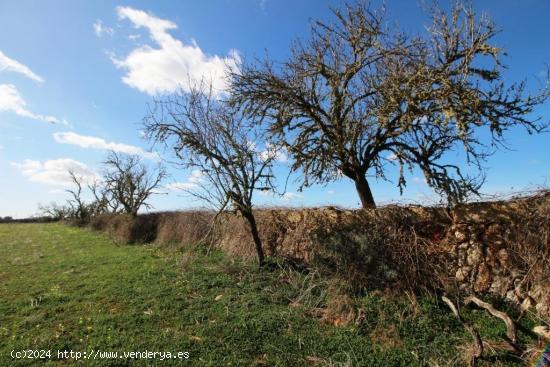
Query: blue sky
{"type": "Point", "coordinates": [76, 77]}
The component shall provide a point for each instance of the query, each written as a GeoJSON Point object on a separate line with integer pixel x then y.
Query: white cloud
{"type": "Point", "coordinates": [278, 154]}
{"type": "Point", "coordinates": [289, 196]}
{"type": "Point", "coordinates": [191, 183]}
{"type": "Point", "coordinates": [267, 193]}
{"type": "Point", "coordinates": [419, 180]}
{"type": "Point", "coordinates": [92, 142]}
{"type": "Point", "coordinates": [178, 186]}
{"type": "Point", "coordinates": [11, 100]}
{"type": "Point", "coordinates": [331, 192]}
{"type": "Point", "coordinates": [100, 29]}
{"type": "Point", "coordinates": [55, 172]}
{"type": "Point", "coordinates": [15, 66]}
{"type": "Point", "coordinates": [173, 64]}
{"type": "Point", "coordinates": [196, 176]}
{"type": "Point", "coordinates": [392, 157]}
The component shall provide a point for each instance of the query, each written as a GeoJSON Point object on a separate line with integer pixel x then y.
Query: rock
{"type": "Point", "coordinates": [483, 279]}
{"type": "Point", "coordinates": [460, 236]}
{"type": "Point", "coordinates": [527, 303]}
{"type": "Point", "coordinates": [462, 274]}
{"type": "Point", "coordinates": [463, 246]}
{"type": "Point", "coordinates": [541, 295]}
{"type": "Point", "coordinates": [543, 308]}
{"type": "Point", "coordinates": [474, 217]}
{"type": "Point", "coordinates": [490, 258]}
{"type": "Point", "coordinates": [294, 217]}
{"type": "Point", "coordinates": [462, 257]}
{"type": "Point", "coordinates": [492, 233]}
{"type": "Point", "coordinates": [542, 331]}
{"type": "Point", "coordinates": [503, 258]}
{"type": "Point", "coordinates": [500, 285]}
{"type": "Point", "coordinates": [512, 296]}
{"type": "Point", "coordinates": [475, 255]}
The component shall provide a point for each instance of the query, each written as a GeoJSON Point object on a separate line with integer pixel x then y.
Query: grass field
{"type": "Point", "coordinates": [66, 288]}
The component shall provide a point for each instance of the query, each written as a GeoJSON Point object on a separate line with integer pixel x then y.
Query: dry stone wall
{"type": "Point", "coordinates": [502, 249]}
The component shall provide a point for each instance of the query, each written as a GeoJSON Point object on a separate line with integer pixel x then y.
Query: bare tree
{"type": "Point", "coordinates": [54, 211]}
{"type": "Point", "coordinates": [359, 95]}
{"type": "Point", "coordinates": [129, 182]}
{"type": "Point", "coordinates": [209, 136]}
{"type": "Point", "coordinates": [125, 187]}
{"type": "Point", "coordinates": [104, 200]}
{"type": "Point", "coordinates": [78, 208]}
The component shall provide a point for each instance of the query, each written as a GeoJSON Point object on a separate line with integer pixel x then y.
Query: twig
{"type": "Point", "coordinates": [473, 332]}
{"type": "Point", "coordinates": [510, 326]}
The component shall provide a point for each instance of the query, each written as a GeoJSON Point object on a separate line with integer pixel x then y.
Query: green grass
{"type": "Point", "coordinates": [69, 288]}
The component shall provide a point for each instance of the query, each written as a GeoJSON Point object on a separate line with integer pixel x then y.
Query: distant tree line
{"type": "Point", "coordinates": [36, 219]}
{"type": "Point", "coordinates": [124, 187]}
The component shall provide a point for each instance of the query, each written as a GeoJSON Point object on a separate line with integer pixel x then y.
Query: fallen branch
{"type": "Point", "coordinates": [473, 332]}
{"type": "Point", "coordinates": [511, 332]}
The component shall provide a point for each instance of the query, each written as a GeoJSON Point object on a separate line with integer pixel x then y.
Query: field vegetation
{"type": "Point", "coordinates": [71, 288]}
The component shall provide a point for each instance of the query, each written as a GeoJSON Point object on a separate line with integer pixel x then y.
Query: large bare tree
{"type": "Point", "coordinates": [226, 148]}
{"type": "Point", "coordinates": [128, 182]}
{"type": "Point", "coordinates": [359, 95]}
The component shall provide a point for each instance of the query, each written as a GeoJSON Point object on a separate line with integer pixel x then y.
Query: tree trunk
{"type": "Point", "coordinates": [363, 189]}
{"type": "Point", "coordinates": [256, 236]}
